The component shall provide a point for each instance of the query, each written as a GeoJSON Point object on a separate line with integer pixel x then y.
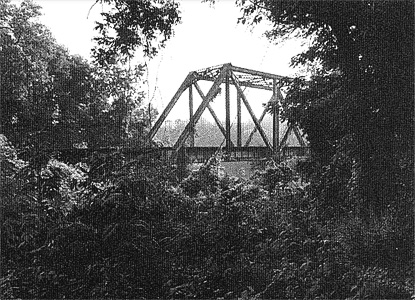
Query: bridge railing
{"type": "Point", "coordinates": [295, 151]}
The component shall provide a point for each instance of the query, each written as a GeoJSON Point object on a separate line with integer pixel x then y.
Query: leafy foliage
{"type": "Point", "coordinates": [357, 108]}
{"type": "Point", "coordinates": [42, 87]}
{"type": "Point", "coordinates": [134, 231]}
{"type": "Point", "coordinates": [131, 24]}
{"type": "Point", "coordinates": [112, 113]}
{"type": "Point", "coordinates": [54, 101]}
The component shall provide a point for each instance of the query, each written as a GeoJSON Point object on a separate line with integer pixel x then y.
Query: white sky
{"type": "Point", "coordinates": [207, 36]}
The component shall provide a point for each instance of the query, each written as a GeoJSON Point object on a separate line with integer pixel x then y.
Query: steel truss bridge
{"type": "Point", "coordinates": [228, 75]}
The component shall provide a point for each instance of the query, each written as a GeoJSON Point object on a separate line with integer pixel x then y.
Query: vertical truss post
{"type": "Point", "coordinates": [192, 129]}
{"type": "Point", "coordinates": [251, 112]}
{"type": "Point", "coordinates": [228, 112]}
{"type": "Point", "coordinates": [238, 121]}
{"type": "Point", "coordinates": [275, 118]}
{"type": "Point", "coordinates": [212, 112]}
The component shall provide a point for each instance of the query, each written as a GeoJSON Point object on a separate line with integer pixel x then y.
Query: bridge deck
{"type": "Point", "coordinates": [201, 154]}
{"type": "Point", "coordinates": [193, 154]}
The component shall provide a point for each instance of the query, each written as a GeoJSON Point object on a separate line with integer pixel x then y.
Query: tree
{"type": "Point", "coordinates": [43, 89]}
{"type": "Point", "coordinates": [111, 113]}
{"type": "Point", "coordinates": [52, 100]}
{"type": "Point", "coordinates": [129, 25]}
{"type": "Point", "coordinates": [357, 109]}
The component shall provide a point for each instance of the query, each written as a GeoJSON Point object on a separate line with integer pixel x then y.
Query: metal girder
{"type": "Point", "coordinates": [248, 107]}
{"type": "Point", "coordinates": [247, 77]}
{"type": "Point", "coordinates": [293, 128]}
{"type": "Point", "coordinates": [257, 73]}
{"type": "Point", "coordinates": [243, 83]}
{"type": "Point", "coordinates": [192, 133]}
{"type": "Point", "coordinates": [251, 134]}
{"type": "Point", "coordinates": [173, 101]}
{"type": "Point", "coordinates": [299, 137]}
{"type": "Point", "coordinates": [212, 112]}
{"type": "Point", "coordinates": [227, 112]}
{"type": "Point", "coordinates": [212, 92]}
{"type": "Point", "coordinates": [275, 117]}
{"type": "Point", "coordinates": [285, 137]}
{"type": "Point", "coordinates": [238, 121]}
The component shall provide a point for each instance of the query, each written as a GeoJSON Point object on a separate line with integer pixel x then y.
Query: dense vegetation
{"type": "Point", "coordinates": [357, 107]}
{"type": "Point", "coordinates": [127, 231]}
{"type": "Point", "coordinates": [339, 225]}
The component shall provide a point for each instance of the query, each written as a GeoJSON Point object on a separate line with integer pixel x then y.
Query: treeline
{"type": "Point", "coordinates": [53, 100]}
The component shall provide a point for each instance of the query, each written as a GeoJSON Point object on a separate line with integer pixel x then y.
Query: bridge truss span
{"type": "Point", "coordinates": [229, 75]}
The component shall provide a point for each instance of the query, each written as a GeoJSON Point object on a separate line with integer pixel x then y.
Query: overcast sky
{"type": "Point", "coordinates": [208, 36]}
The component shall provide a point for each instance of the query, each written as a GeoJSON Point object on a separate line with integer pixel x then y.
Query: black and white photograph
{"type": "Point", "coordinates": [207, 149]}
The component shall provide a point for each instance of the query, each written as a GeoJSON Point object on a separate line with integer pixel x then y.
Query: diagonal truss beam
{"type": "Point", "coordinates": [210, 95]}
{"type": "Point", "coordinates": [248, 107]}
{"type": "Point", "coordinates": [212, 112]}
{"type": "Point", "coordinates": [298, 135]}
{"type": "Point", "coordinates": [277, 97]}
{"type": "Point", "coordinates": [248, 141]}
{"type": "Point", "coordinates": [294, 129]}
{"type": "Point", "coordinates": [185, 84]}
{"type": "Point", "coordinates": [285, 137]}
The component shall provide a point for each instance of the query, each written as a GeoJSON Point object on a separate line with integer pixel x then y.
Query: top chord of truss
{"type": "Point", "coordinates": [246, 77]}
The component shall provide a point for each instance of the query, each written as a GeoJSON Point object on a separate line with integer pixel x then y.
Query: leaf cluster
{"type": "Point", "coordinates": [129, 25]}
